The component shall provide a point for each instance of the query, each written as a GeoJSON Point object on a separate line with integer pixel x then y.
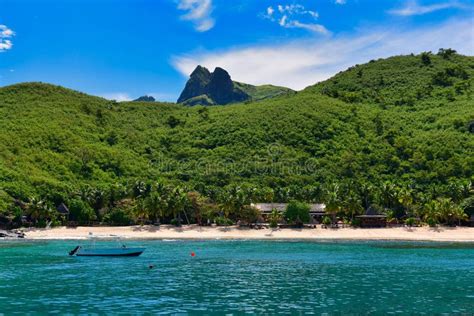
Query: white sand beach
{"type": "Point", "coordinates": [458, 234]}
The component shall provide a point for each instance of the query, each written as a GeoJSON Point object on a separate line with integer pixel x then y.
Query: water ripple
{"type": "Point", "coordinates": [240, 277]}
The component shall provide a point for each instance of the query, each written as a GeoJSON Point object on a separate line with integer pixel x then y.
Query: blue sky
{"type": "Point", "coordinates": [122, 49]}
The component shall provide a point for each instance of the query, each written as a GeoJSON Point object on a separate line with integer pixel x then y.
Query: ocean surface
{"type": "Point", "coordinates": [238, 277]}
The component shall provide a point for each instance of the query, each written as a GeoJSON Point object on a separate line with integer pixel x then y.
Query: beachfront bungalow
{"type": "Point", "coordinates": [63, 210]}
{"type": "Point", "coordinates": [317, 211]}
{"type": "Point", "coordinates": [372, 220]}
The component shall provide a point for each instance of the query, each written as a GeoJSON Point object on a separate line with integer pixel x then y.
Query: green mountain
{"type": "Point", "coordinates": [393, 133]}
{"type": "Point", "coordinates": [145, 98]}
{"type": "Point", "coordinates": [217, 88]}
{"type": "Point", "coordinates": [402, 80]}
{"type": "Point", "coordinates": [257, 93]}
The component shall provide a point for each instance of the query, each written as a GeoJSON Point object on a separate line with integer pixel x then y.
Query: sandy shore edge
{"type": "Point", "coordinates": [458, 234]}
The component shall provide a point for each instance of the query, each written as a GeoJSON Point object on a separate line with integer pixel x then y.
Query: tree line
{"type": "Point", "coordinates": [146, 202]}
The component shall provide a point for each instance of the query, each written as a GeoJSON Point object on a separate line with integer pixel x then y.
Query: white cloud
{"type": "Point", "coordinates": [199, 12]}
{"type": "Point", "coordinates": [340, 1]}
{"type": "Point", "coordinates": [300, 63]}
{"type": "Point", "coordinates": [117, 96]}
{"type": "Point", "coordinates": [317, 28]}
{"type": "Point", "coordinates": [290, 16]}
{"type": "Point", "coordinates": [5, 45]}
{"type": "Point", "coordinates": [413, 8]}
{"type": "Point", "coordinates": [5, 34]}
{"type": "Point", "coordinates": [270, 11]}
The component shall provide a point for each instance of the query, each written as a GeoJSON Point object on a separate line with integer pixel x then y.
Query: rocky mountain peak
{"type": "Point", "coordinates": [213, 88]}
{"type": "Point", "coordinates": [145, 98]}
{"type": "Point", "coordinates": [217, 88]}
{"type": "Point", "coordinates": [196, 85]}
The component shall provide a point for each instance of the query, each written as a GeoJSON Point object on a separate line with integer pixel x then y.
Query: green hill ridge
{"type": "Point", "coordinates": [394, 134]}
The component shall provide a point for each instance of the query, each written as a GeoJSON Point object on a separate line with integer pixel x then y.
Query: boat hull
{"type": "Point", "coordinates": [110, 252]}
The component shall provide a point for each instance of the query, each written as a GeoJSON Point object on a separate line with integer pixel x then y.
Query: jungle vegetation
{"type": "Point", "coordinates": [395, 135]}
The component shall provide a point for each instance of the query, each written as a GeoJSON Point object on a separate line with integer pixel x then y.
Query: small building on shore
{"type": "Point", "coordinates": [371, 219]}
{"type": "Point", "coordinates": [63, 211]}
{"type": "Point", "coordinates": [316, 212]}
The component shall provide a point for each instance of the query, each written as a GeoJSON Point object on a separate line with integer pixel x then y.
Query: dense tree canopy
{"type": "Point", "coordinates": [395, 134]}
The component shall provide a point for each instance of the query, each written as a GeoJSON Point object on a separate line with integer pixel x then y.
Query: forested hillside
{"type": "Point", "coordinates": [396, 134]}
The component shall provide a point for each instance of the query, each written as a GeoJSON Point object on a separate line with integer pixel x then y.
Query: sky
{"type": "Point", "coordinates": [123, 49]}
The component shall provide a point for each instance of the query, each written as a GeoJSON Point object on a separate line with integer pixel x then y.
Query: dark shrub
{"type": "Point", "coordinates": [223, 221]}
{"type": "Point", "coordinates": [326, 221]}
{"type": "Point", "coordinates": [411, 221]}
{"type": "Point", "coordinates": [425, 58]}
{"type": "Point", "coordinates": [81, 212]}
{"type": "Point", "coordinates": [297, 213]}
{"type": "Point", "coordinates": [274, 218]}
{"type": "Point", "coordinates": [249, 214]}
{"type": "Point", "coordinates": [117, 217]}
{"type": "Point", "coordinates": [446, 52]}
{"type": "Point", "coordinates": [173, 121]}
{"type": "Point", "coordinates": [355, 222]}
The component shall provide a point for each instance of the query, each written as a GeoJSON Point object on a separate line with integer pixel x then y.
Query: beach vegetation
{"type": "Point", "coordinates": [411, 221]}
{"type": "Point", "coordinates": [297, 213]}
{"type": "Point", "coordinates": [275, 218]}
{"type": "Point", "coordinates": [223, 221]}
{"type": "Point", "coordinates": [249, 214]}
{"type": "Point", "coordinates": [81, 212]}
{"type": "Point", "coordinates": [327, 221]}
{"type": "Point", "coordinates": [355, 222]}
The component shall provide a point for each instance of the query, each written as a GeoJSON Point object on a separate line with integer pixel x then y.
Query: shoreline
{"type": "Point", "coordinates": [194, 232]}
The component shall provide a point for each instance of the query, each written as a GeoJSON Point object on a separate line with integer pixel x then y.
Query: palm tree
{"type": "Point", "coordinates": [405, 197]}
{"type": "Point", "coordinates": [233, 200]}
{"type": "Point", "coordinates": [431, 213]}
{"type": "Point", "coordinates": [434, 191]}
{"type": "Point", "coordinates": [97, 199]}
{"type": "Point", "coordinates": [267, 195]}
{"type": "Point", "coordinates": [38, 210]}
{"type": "Point", "coordinates": [177, 201]}
{"type": "Point", "coordinates": [196, 205]}
{"type": "Point", "coordinates": [456, 190]}
{"type": "Point", "coordinates": [352, 205]}
{"type": "Point", "coordinates": [116, 193]}
{"type": "Point", "coordinates": [140, 211]}
{"type": "Point", "coordinates": [85, 193]}
{"type": "Point", "coordinates": [282, 194]}
{"type": "Point", "coordinates": [365, 190]}
{"type": "Point", "coordinates": [160, 187]}
{"type": "Point", "coordinates": [274, 218]}
{"type": "Point", "coordinates": [466, 189]}
{"type": "Point", "coordinates": [154, 205]}
{"type": "Point", "coordinates": [140, 188]}
{"type": "Point", "coordinates": [227, 203]}
{"type": "Point", "coordinates": [387, 194]}
{"type": "Point", "coordinates": [333, 200]}
{"type": "Point", "coordinates": [459, 214]}
{"type": "Point", "coordinates": [451, 212]}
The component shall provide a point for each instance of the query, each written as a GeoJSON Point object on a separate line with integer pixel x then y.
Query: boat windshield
{"type": "Point", "coordinates": [93, 240]}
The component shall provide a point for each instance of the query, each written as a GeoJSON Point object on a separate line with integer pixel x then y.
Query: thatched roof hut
{"type": "Point", "coordinates": [63, 209]}
{"type": "Point", "coordinates": [267, 208]}
{"type": "Point", "coordinates": [371, 218]}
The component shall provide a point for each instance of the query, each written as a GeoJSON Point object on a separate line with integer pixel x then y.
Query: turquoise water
{"type": "Point", "coordinates": [240, 276]}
